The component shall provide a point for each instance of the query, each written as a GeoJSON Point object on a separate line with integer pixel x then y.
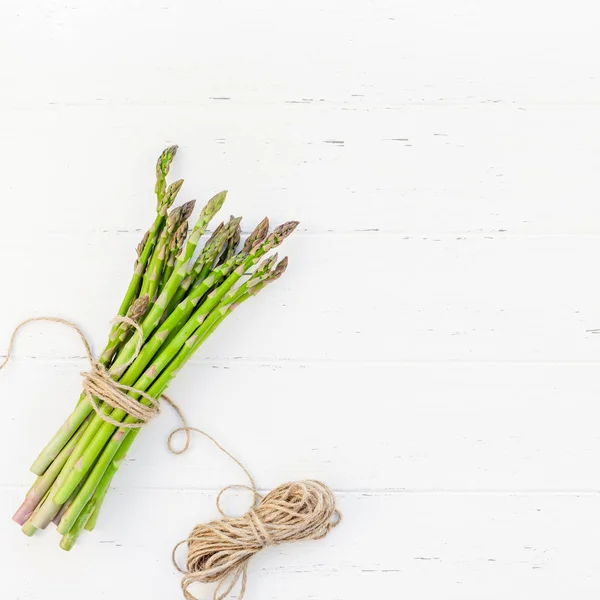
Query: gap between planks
{"type": "Point", "coordinates": [361, 492]}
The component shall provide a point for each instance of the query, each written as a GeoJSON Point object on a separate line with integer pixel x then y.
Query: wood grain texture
{"type": "Point", "coordinates": [432, 352]}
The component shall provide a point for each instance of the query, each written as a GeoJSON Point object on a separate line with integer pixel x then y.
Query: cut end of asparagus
{"type": "Point", "coordinates": [29, 529]}
{"type": "Point", "coordinates": [257, 236]}
{"type": "Point", "coordinates": [67, 542]}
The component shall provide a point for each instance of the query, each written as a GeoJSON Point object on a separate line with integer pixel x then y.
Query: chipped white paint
{"type": "Point", "coordinates": [439, 315]}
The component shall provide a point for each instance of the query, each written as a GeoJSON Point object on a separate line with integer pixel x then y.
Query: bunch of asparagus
{"type": "Point", "coordinates": [178, 295]}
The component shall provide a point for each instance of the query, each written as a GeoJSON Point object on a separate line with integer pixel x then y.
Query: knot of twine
{"type": "Point", "coordinates": [98, 382]}
{"type": "Point", "coordinates": [219, 551]}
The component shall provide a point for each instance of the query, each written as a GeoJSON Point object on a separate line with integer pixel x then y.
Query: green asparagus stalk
{"type": "Point", "coordinates": [68, 540]}
{"type": "Point", "coordinates": [89, 515]}
{"type": "Point", "coordinates": [154, 271]}
{"type": "Point", "coordinates": [104, 484]}
{"type": "Point", "coordinates": [65, 507]}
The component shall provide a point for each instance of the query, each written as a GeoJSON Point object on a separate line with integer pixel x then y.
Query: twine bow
{"type": "Point", "coordinates": [219, 551]}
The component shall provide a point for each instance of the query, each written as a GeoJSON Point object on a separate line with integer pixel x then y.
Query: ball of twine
{"type": "Point", "coordinates": [219, 551]}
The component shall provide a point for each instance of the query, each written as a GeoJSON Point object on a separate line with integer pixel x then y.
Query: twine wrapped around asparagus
{"type": "Point", "coordinates": [178, 295]}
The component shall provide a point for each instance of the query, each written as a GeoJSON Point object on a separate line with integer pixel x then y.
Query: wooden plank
{"type": "Point", "coordinates": [417, 545]}
{"type": "Point", "coordinates": [460, 427]}
{"type": "Point", "coordinates": [414, 170]}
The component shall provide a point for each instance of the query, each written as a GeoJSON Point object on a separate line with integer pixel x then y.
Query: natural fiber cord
{"type": "Point", "coordinates": [219, 551]}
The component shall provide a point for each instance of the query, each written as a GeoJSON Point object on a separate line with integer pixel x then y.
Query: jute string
{"type": "Point", "coordinates": [98, 382]}
{"type": "Point", "coordinates": [219, 551]}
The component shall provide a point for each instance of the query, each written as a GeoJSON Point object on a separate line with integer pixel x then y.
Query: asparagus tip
{"type": "Point", "coordinates": [257, 236]}
{"type": "Point", "coordinates": [179, 237]}
{"type": "Point", "coordinates": [142, 244]}
{"type": "Point", "coordinates": [279, 234]}
{"type": "Point", "coordinates": [216, 202]}
{"type": "Point", "coordinates": [171, 194]}
{"type": "Point", "coordinates": [187, 209]}
{"type": "Point", "coordinates": [165, 159]}
{"type": "Point", "coordinates": [138, 308]}
{"type": "Point", "coordinates": [279, 270]}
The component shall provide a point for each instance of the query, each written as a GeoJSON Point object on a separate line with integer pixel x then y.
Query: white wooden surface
{"type": "Point", "coordinates": [431, 353]}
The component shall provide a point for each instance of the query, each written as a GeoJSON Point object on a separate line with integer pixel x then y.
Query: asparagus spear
{"type": "Point", "coordinates": [104, 484]}
{"type": "Point", "coordinates": [213, 206]}
{"type": "Point", "coordinates": [163, 164]}
{"type": "Point", "coordinates": [154, 271]}
{"type": "Point", "coordinates": [163, 203]}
